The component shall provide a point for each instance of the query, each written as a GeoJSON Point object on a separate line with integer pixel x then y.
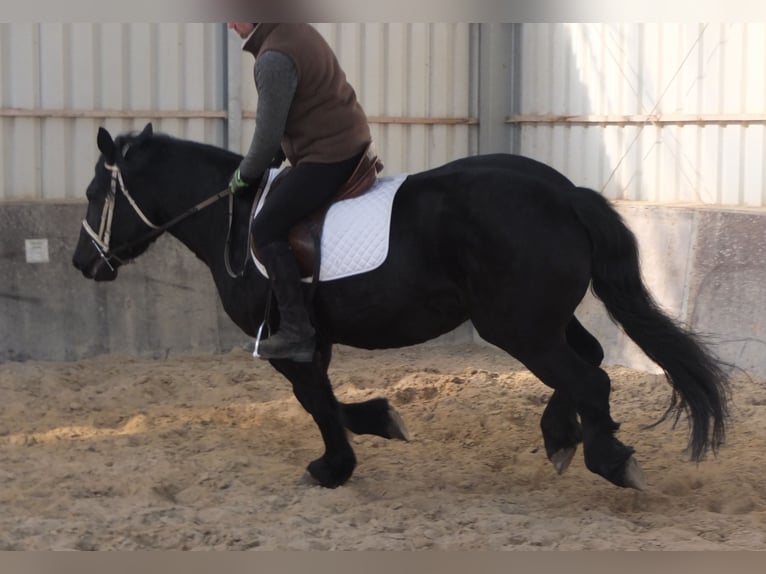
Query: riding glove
{"type": "Point", "coordinates": [236, 183]}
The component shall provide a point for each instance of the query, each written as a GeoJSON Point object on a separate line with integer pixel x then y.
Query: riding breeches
{"type": "Point", "coordinates": [304, 189]}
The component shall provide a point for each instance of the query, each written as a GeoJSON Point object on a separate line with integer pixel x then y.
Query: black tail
{"type": "Point", "coordinates": [698, 380]}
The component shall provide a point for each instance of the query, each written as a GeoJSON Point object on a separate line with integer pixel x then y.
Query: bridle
{"type": "Point", "coordinates": [101, 240]}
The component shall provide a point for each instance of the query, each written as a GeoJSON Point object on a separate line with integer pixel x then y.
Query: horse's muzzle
{"type": "Point", "coordinates": [92, 262]}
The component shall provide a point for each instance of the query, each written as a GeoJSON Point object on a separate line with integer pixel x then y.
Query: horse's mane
{"type": "Point", "coordinates": [162, 140]}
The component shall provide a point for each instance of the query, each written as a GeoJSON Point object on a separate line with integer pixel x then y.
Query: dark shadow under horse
{"type": "Point", "coordinates": [502, 240]}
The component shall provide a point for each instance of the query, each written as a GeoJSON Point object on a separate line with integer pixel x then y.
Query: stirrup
{"type": "Point", "coordinates": [258, 337]}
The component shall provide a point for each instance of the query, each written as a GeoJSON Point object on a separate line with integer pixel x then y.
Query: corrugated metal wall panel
{"type": "Point", "coordinates": [619, 70]}
{"type": "Point", "coordinates": [86, 66]}
{"type": "Point", "coordinates": [412, 71]}
{"type": "Point", "coordinates": [420, 71]}
{"type": "Point", "coordinates": [19, 78]}
{"type": "Point", "coordinates": [403, 71]}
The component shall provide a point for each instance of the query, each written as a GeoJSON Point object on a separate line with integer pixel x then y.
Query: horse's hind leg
{"type": "Point", "coordinates": [559, 424]}
{"type": "Point", "coordinates": [555, 363]}
{"type": "Point", "coordinates": [561, 430]}
{"type": "Point", "coordinates": [561, 368]}
{"type": "Point", "coordinates": [584, 343]}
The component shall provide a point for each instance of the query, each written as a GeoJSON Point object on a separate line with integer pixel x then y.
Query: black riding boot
{"type": "Point", "coordinates": [295, 337]}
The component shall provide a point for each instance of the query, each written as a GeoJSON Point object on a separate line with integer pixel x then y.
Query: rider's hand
{"type": "Point", "coordinates": [236, 183]}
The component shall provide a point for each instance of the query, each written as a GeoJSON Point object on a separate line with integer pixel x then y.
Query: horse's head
{"type": "Point", "coordinates": [119, 220]}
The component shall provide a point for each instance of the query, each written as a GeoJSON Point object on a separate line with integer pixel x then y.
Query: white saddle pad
{"type": "Point", "coordinates": [356, 231]}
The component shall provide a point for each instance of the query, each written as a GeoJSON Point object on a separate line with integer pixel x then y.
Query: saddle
{"type": "Point", "coordinates": [305, 236]}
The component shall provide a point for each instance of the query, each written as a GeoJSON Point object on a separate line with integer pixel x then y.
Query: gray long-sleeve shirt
{"type": "Point", "coordinates": [276, 80]}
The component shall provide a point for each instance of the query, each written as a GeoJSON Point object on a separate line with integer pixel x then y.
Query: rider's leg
{"type": "Point", "coordinates": [305, 189]}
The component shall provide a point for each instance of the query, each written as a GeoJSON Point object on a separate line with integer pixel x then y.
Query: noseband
{"type": "Point", "coordinates": [101, 240]}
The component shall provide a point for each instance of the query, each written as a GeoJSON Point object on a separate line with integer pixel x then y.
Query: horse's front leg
{"type": "Point", "coordinates": [373, 417]}
{"type": "Point", "coordinates": [312, 388]}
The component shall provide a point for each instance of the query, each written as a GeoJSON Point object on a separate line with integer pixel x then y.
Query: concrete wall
{"type": "Point", "coordinates": [163, 303]}
{"type": "Point", "coordinates": [706, 266]}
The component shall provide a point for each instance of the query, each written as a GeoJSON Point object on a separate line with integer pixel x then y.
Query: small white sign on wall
{"type": "Point", "coordinates": [36, 250]}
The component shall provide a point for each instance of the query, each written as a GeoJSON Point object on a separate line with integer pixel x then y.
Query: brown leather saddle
{"type": "Point", "coordinates": [305, 236]}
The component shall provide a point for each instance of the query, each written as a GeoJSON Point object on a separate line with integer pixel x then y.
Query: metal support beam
{"type": "Point", "coordinates": [640, 119]}
{"type": "Point", "coordinates": [108, 114]}
{"type": "Point", "coordinates": [499, 87]}
{"type": "Point", "coordinates": [233, 98]}
{"type": "Point", "coordinates": [407, 120]}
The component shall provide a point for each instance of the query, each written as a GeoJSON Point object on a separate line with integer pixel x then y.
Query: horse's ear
{"type": "Point", "coordinates": [106, 144]}
{"type": "Point", "coordinates": [145, 133]}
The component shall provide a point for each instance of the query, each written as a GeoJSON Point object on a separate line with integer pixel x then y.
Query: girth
{"type": "Point", "coordinates": [305, 236]}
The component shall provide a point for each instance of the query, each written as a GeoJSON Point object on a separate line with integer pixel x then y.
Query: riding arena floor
{"type": "Point", "coordinates": [209, 451]}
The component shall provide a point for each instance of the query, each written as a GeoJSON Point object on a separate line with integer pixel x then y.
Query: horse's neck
{"type": "Point", "coordinates": [204, 233]}
{"type": "Point", "coordinates": [201, 234]}
{"type": "Point", "coordinates": [186, 178]}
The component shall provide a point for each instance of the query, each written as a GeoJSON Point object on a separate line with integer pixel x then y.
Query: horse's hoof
{"type": "Point", "coordinates": [328, 476]}
{"type": "Point", "coordinates": [396, 428]}
{"type": "Point", "coordinates": [634, 476]}
{"type": "Point", "coordinates": [562, 458]}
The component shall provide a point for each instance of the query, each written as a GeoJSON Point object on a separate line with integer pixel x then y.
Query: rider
{"type": "Point", "coordinates": [306, 105]}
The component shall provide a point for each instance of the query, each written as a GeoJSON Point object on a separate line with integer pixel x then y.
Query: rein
{"type": "Point", "coordinates": [102, 239]}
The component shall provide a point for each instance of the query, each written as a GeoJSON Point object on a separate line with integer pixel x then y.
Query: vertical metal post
{"type": "Point", "coordinates": [499, 87]}
{"type": "Point", "coordinates": [499, 92]}
{"type": "Point", "coordinates": [514, 96]}
{"type": "Point", "coordinates": [233, 97]}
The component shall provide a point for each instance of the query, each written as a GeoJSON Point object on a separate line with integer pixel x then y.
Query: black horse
{"type": "Point", "coordinates": [502, 240]}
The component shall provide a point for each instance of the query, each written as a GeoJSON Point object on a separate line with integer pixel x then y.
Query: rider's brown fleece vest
{"type": "Point", "coordinates": [326, 123]}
